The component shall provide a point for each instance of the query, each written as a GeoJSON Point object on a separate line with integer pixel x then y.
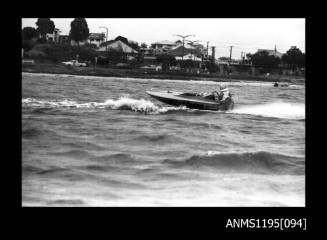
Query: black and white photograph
{"type": "Point", "coordinates": [163, 112]}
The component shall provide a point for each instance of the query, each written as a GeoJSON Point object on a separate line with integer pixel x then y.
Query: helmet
{"type": "Point", "coordinates": [222, 86]}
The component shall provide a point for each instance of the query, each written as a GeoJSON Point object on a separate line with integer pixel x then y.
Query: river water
{"type": "Point", "coordinates": [100, 141]}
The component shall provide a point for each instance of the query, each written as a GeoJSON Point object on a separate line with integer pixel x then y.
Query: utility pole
{"type": "Point", "coordinates": [207, 49]}
{"type": "Point", "coordinates": [95, 62]}
{"type": "Point", "coordinates": [183, 42]}
{"type": "Point", "coordinates": [230, 53]}
{"type": "Point", "coordinates": [106, 35]}
{"type": "Point", "coordinates": [213, 53]}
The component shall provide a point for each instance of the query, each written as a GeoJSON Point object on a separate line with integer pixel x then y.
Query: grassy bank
{"type": "Point", "coordinates": [57, 68]}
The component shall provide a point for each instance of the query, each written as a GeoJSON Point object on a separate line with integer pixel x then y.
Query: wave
{"type": "Point", "coordinates": [161, 139]}
{"type": "Point", "coordinates": [123, 103]}
{"type": "Point", "coordinates": [78, 154]}
{"type": "Point", "coordinates": [66, 202]}
{"type": "Point", "coordinates": [116, 158]}
{"type": "Point", "coordinates": [28, 169]}
{"type": "Point", "coordinates": [255, 162]}
{"type": "Point", "coordinates": [31, 132]}
{"type": "Point", "coordinates": [276, 109]}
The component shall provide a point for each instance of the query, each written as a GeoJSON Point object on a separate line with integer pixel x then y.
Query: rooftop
{"type": "Point", "coordinates": [186, 46]}
{"type": "Point", "coordinates": [165, 42]}
{"type": "Point", "coordinates": [178, 51]}
{"type": "Point", "coordinates": [117, 45]}
{"type": "Point", "coordinates": [97, 36]}
{"type": "Point", "coordinates": [271, 52]}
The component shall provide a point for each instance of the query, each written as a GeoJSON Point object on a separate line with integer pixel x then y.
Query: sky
{"type": "Point", "coordinates": [244, 34]}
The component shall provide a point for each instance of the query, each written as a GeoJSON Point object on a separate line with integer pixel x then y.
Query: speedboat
{"type": "Point", "coordinates": [193, 100]}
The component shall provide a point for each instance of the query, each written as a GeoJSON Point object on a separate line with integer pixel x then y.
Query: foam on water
{"type": "Point", "coordinates": [126, 103]}
{"type": "Point", "coordinates": [275, 109]}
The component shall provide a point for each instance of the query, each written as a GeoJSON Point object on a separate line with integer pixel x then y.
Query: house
{"type": "Point", "coordinates": [146, 51]}
{"type": "Point", "coordinates": [222, 61]}
{"type": "Point", "coordinates": [53, 37]}
{"type": "Point", "coordinates": [63, 39]}
{"type": "Point", "coordinates": [201, 48]}
{"type": "Point", "coordinates": [189, 57]}
{"type": "Point", "coordinates": [178, 43]}
{"type": "Point", "coordinates": [118, 46]}
{"type": "Point", "coordinates": [187, 49]}
{"type": "Point", "coordinates": [96, 38]}
{"type": "Point", "coordinates": [80, 43]}
{"type": "Point", "coordinates": [271, 52]}
{"type": "Point", "coordinates": [163, 46]}
{"type": "Point", "coordinates": [149, 60]}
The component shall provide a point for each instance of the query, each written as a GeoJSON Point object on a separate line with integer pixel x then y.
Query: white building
{"type": "Point", "coordinates": [53, 37]}
{"type": "Point", "coordinates": [163, 46]}
{"type": "Point", "coordinates": [189, 57]}
{"type": "Point", "coordinates": [271, 52]}
{"type": "Point", "coordinates": [96, 39]}
{"type": "Point", "coordinates": [80, 43]}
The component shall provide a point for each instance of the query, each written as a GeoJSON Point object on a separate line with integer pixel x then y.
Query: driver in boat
{"type": "Point", "coordinates": [219, 95]}
{"type": "Point", "coordinates": [224, 92]}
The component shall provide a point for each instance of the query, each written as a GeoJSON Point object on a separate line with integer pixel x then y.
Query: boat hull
{"type": "Point", "coordinates": [175, 99]}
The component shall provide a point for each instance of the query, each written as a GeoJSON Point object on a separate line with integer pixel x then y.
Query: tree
{"type": "Point", "coordinates": [64, 52]}
{"type": "Point", "coordinates": [115, 55]}
{"type": "Point", "coordinates": [27, 45]}
{"type": "Point", "coordinates": [211, 66]}
{"type": "Point", "coordinates": [44, 26]}
{"type": "Point", "coordinates": [248, 55]}
{"type": "Point", "coordinates": [28, 33]}
{"type": "Point", "coordinates": [294, 58]}
{"type": "Point", "coordinates": [123, 39]}
{"type": "Point", "coordinates": [143, 45]}
{"type": "Point", "coordinates": [134, 45]}
{"type": "Point", "coordinates": [79, 30]}
{"type": "Point", "coordinates": [166, 61]}
{"type": "Point", "coordinates": [263, 59]}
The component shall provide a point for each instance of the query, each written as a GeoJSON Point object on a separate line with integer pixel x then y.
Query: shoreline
{"type": "Point", "coordinates": [52, 68]}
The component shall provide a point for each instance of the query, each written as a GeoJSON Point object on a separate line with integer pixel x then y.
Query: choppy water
{"type": "Point", "coordinates": [95, 141]}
